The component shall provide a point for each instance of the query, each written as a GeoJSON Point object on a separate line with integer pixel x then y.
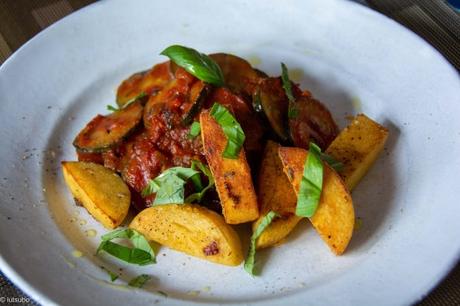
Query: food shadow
{"type": "Point", "coordinates": [374, 197]}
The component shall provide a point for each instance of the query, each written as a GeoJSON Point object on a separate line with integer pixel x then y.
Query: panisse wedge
{"type": "Point", "coordinates": [100, 190]}
{"type": "Point", "coordinates": [192, 229]}
{"type": "Point", "coordinates": [357, 147]}
{"type": "Point", "coordinates": [232, 176]}
{"type": "Point", "coordinates": [275, 193]}
{"type": "Point", "coordinates": [334, 218]}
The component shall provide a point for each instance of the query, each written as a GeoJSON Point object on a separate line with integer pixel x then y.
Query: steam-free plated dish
{"type": "Point", "coordinates": [183, 147]}
{"type": "Point", "coordinates": [406, 236]}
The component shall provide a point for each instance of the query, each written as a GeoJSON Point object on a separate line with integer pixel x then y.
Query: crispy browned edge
{"type": "Point", "coordinates": [232, 176]}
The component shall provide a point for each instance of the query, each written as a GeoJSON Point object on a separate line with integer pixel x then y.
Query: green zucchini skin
{"type": "Point", "coordinates": [105, 132]}
{"type": "Point", "coordinates": [271, 99]}
{"type": "Point", "coordinates": [238, 74]}
{"type": "Point", "coordinates": [198, 99]}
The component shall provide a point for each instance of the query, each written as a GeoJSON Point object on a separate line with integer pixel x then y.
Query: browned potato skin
{"type": "Point", "coordinates": [357, 147]}
{"type": "Point", "coordinates": [192, 229]}
{"type": "Point", "coordinates": [334, 218]}
{"type": "Point", "coordinates": [275, 193]}
{"type": "Point", "coordinates": [232, 176]}
{"type": "Point", "coordinates": [100, 190]}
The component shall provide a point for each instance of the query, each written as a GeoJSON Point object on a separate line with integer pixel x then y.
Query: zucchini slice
{"type": "Point", "coordinates": [148, 82]}
{"type": "Point", "coordinates": [312, 122]}
{"type": "Point", "coordinates": [198, 94]}
{"type": "Point", "coordinates": [271, 99]}
{"type": "Point", "coordinates": [238, 73]}
{"type": "Point", "coordinates": [104, 132]}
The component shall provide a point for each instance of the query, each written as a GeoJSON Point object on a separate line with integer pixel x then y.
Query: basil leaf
{"type": "Point", "coordinates": [198, 196]}
{"type": "Point", "coordinates": [141, 254]}
{"type": "Point", "coordinates": [293, 112]}
{"type": "Point", "coordinates": [113, 275]}
{"type": "Point", "coordinates": [195, 130]}
{"type": "Point", "coordinates": [169, 186]}
{"type": "Point", "coordinates": [116, 109]}
{"type": "Point", "coordinates": [311, 184]}
{"type": "Point", "coordinates": [139, 96]}
{"type": "Point", "coordinates": [139, 281]}
{"type": "Point", "coordinates": [130, 255]}
{"type": "Point", "coordinates": [250, 259]}
{"type": "Point", "coordinates": [333, 163]}
{"type": "Point", "coordinates": [287, 85]}
{"type": "Point", "coordinates": [112, 108]}
{"type": "Point", "coordinates": [232, 129]}
{"type": "Point", "coordinates": [196, 63]}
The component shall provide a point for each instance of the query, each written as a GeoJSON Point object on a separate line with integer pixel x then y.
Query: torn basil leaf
{"type": "Point", "coordinates": [141, 253]}
{"type": "Point", "coordinates": [139, 281]}
{"type": "Point", "coordinates": [198, 64]}
{"type": "Point", "coordinates": [232, 130]}
{"type": "Point", "coordinates": [198, 196]}
{"type": "Point", "coordinates": [115, 109]}
{"type": "Point", "coordinates": [195, 130]}
{"type": "Point", "coordinates": [250, 259]}
{"type": "Point", "coordinates": [113, 275]}
{"type": "Point", "coordinates": [332, 162]}
{"type": "Point", "coordinates": [293, 112]}
{"type": "Point", "coordinates": [169, 186]}
{"type": "Point", "coordinates": [311, 184]}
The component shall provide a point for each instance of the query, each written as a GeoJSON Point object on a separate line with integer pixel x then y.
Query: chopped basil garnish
{"type": "Point", "coordinates": [197, 196]}
{"type": "Point", "coordinates": [286, 82]}
{"type": "Point", "coordinates": [112, 108]}
{"type": "Point", "coordinates": [232, 130]}
{"type": "Point", "coordinates": [198, 64]}
{"type": "Point", "coordinates": [250, 260]}
{"type": "Point", "coordinates": [169, 186]}
{"type": "Point", "coordinates": [141, 254]}
{"type": "Point", "coordinates": [311, 184]}
{"type": "Point", "coordinates": [195, 130]}
{"type": "Point", "coordinates": [293, 112]}
{"type": "Point", "coordinates": [115, 109]}
{"type": "Point", "coordinates": [139, 281]}
{"type": "Point", "coordinates": [113, 275]}
{"type": "Point", "coordinates": [333, 163]}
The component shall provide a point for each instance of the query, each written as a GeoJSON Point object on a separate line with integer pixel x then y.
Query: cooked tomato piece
{"type": "Point", "coordinates": [250, 123]}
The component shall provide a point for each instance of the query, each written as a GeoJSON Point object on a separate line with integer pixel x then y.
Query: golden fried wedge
{"type": "Point", "coordinates": [275, 193]}
{"type": "Point", "coordinates": [334, 218]}
{"type": "Point", "coordinates": [100, 190]}
{"type": "Point", "coordinates": [192, 229]}
{"type": "Point", "coordinates": [357, 147]}
{"type": "Point", "coordinates": [232, 176]}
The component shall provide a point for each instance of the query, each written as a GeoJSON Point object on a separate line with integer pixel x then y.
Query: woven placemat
{"type": "Point", "coordinates": [434, 20]}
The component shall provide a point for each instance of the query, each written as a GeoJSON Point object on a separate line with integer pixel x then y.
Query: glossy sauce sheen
{"type": "Point", "coordinates": [163, 140]}
{"type": "Point", "coordinates": [175, 98]}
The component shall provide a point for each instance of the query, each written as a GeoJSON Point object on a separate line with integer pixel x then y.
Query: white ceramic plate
{"type": "Point", "coordinates": [351, 58]}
